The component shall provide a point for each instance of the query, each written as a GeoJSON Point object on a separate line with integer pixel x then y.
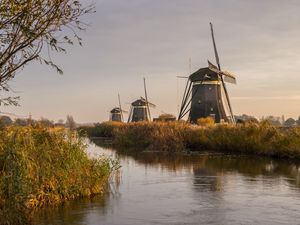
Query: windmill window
{"type": "Point", "coordinates": [209, 88]}
{"type": "Point", "coordinates": [212, 109]}
{"type": "Point", "coordinates": [199, 101]}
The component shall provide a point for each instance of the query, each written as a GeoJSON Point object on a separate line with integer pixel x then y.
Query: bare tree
{"type": "Point", "coordinates": [70, 122]}
{"type": "Point", "coordinates": [31, 29]}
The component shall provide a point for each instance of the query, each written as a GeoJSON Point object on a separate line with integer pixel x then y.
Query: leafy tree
{"type": "Point", "coordinates": [290, 122]}
{"type": "Point", "coordinates": [246, 119]}
{"type": "Point", "coordinates": [298, 121]}
{"type": "Point", "coordinates": [21, 122]}
{"type": "Point", "coordinates": [31, 29]}
{"type": "Point", "coordinates": [5, 121]}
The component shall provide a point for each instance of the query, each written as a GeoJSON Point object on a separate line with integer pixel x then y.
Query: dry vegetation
{"type": "Point", "coordinates": [248, 138]}
{"type": "Point", "coordinates": [41, 166]}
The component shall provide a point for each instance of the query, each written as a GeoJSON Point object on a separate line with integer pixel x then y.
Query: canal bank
{"type": "Point", "coordinates": [261, 139]}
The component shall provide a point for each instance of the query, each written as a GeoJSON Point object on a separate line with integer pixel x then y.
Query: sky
{"type": "Point", "coordinates": [127, 40]}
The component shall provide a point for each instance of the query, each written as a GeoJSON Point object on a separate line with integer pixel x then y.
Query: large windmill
{"type": "Point", "coordinates": [140, 109]}
{"type": "Point", "coordinates": [116, 114]}
{"type": "Point", "coordinates": [206, 94]}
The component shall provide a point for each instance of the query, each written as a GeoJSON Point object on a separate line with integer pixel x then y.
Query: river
{"type": "Point", "coordinates": [207, 188]}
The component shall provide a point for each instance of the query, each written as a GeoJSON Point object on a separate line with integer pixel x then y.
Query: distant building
{"type": "Point", "coordinates": [165, 118]}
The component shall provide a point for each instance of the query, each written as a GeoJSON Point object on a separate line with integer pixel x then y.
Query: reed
{"type": "Point", "coordinates": [40, 167]}
{"type": "Point", "coordinates": [249, 138]}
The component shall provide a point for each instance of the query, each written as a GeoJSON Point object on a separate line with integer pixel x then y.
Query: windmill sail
{"type": "Point", "coordinates": [121, 111]}
{"type": "Point", "coordinates": [146, 98]}
{"type": "Point", "coordinates": [219, 67]}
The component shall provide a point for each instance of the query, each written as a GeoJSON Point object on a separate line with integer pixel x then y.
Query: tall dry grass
{"type": "Point", "coordinates": [248, 138]}
{"type": "Point", "coordinates": [40, 167]}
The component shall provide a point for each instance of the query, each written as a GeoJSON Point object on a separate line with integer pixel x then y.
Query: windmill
{"type": "Point", "coordinates": [206, 95]}
{"type": "Point", "coordinates": [140, 109]}
{"type": "Point", "coordinates": [116, 114]}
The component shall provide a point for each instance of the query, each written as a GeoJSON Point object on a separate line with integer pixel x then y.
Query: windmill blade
{"type": "Point", "coordinates": [121, 111]}
{"type": "Point", "coordinates": [149, 103]}
{"type": "Point", "coordinates": [219, 67]}
{"type": "Point", "coordinates": [215, 47]}
{"type": "Point", "coordinates": [146, 96]}
{"type": "Point", "coordinates": [229, 77]}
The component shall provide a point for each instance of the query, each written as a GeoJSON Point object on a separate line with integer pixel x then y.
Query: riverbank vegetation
{"type": "Point", "coordinates": [41, 166]}
{"type": "Point", "coordinates": [248, 138]}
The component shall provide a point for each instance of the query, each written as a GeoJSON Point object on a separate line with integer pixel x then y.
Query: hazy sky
{"type": "Point", "coordinates": [257, 40]}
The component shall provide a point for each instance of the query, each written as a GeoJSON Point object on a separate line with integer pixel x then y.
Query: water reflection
{"type": "Point", "coordinates": [210, 165]}
{"type": "Point", "coordinates": [157, 188]}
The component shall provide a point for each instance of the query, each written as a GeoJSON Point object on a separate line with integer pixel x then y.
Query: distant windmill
{"type": "Point", "coordinates": [206, 94]}
{"type": "Point", "coordinates": [116, 114]}
{"type": "Point", "coordinates": [140, 109]}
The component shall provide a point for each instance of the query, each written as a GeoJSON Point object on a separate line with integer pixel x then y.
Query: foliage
{"type": "Point", "coordinates": [208, 121]}
{"type": "Point", "coordinates": [298, 121]}
{"type": "Point", "coordinates": [247, 138]}
{"type": "Point", "coordinates": [28, 26]}
{"type": "Point", "coordinates": [290, 122]}
{"type": "Point", "coordinates": [41, 166]}
{"type": "Point", "coordinates": [5, 121]}
{"type": "Point", "coordinates": [105, 129]}
{"type": "Point", "coordinates": [160, 136]}
{"type": "Point", "coordinates": [44, 122]}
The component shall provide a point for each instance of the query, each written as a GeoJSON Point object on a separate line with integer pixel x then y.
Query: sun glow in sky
{"type": "Point", "coordinates": [131, 39]}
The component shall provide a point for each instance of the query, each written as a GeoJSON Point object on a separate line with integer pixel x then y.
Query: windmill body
{"type": "Point", "coordinates": [139, 111]}
{"type": "Point", "coordinates": [207, 97]}
{"type": "Point", "coordinates": [116, 114]}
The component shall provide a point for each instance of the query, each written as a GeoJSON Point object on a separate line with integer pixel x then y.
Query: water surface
{"type": "Point", "coordinates": [189, 189]}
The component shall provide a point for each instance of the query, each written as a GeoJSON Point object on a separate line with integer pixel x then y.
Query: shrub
{"type": "Point", "coordinates": [105, 129]}
{"type": "Point", "coordinates": [206, 122]}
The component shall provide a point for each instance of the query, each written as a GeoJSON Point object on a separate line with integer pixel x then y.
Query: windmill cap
{"type": "Point", "coordinates": [204, 74]}
{"type": "Point", "coordinates": [116, 110]}
{"type": "Point", "coordinates": [139, 102]}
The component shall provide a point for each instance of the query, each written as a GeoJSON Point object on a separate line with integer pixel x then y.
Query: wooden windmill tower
{"type": "Point", "coordinates": [140, 109]}
{"type": "Point", "coordinates": [206, 94]}
{"type": "Point", "coordinates": [116, 114]}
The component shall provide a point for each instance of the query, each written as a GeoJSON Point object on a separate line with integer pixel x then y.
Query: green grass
{"type": "Point", "coordinates": [249, 138]}
{"type": "Point", "coordinates": [41, 167]}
